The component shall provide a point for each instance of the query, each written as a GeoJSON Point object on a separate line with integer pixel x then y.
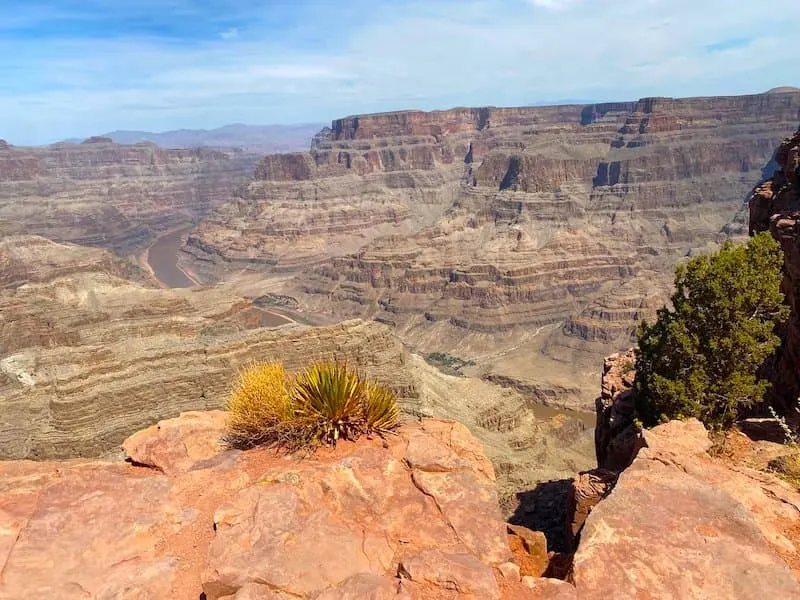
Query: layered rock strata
{"type": "Point", "coordinates": [548, 229]}
{"type": "Point", "coordinates": [775, 207]}
{"type": "Point", "coordinates": [114, 196]}
{"type": "Point", "coordinates": [87, 357]}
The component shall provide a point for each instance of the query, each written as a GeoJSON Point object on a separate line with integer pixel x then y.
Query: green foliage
{"type": "Point", "coordinates": [323, 404]}
{"type": "Point", "coordinates": [700, 358]}
{"type": "Point", "coordinates": [449, 361]}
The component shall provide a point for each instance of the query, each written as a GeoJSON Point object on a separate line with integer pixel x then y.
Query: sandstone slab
{"type": "Point", "coordinates": [671, 529]}
{"type": "Point", "coordinates": [253, 525]}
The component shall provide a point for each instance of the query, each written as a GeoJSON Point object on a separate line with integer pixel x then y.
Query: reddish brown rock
{"type": "Point", "coordinates": [459, 573]}
{"type": "Point", "coordinates": [529, 549]}
{"type": "Point", "coordinates": [176, 445]}
{"type": "Point", "coordinates": [338, 523]}
{"type": "Point", "coordinates": [774, 207]}
{"type": "Point", "coordinates": [675, 526]}
{"type": "Point", "coordinates": [588, 489]}
{"type": "Point", "coordinates": [550, 589]}
{"type": "Point", "coordinates": [617, 437]}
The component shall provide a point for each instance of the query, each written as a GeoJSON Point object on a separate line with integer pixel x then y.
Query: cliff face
{"type": "Point", "coordinates": [774, 207]}
{"type": "Point", "coordinates": [550, 230]}
{"type": "Point", "coordinates": [109, 195]}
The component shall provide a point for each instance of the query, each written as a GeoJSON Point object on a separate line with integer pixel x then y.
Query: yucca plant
{"type": "Point", "coordinates": [260, 405]}
{"type": "Point", "coordinates": [323, 404]}
{"type": "Point", "coordinates": [330, 399]}
{"type": "Point", "coordinates": [381, 413]}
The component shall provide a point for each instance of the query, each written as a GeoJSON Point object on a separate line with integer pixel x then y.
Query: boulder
{"type": "Point", "coordinates": [530, 550]}
{"type": "Point", "coordinates": [679, 524]}
{"type": "Point", "coordinates": [177, 445]}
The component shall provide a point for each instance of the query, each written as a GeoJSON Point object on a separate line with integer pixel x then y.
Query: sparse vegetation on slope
{"type": "Point", "coordinates": [323, 404]}
{"type": "Point", "coordinates": [700, 358]}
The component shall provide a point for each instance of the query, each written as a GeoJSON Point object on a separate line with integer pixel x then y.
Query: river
{"type": "Point", "coordinates": [163, 259]}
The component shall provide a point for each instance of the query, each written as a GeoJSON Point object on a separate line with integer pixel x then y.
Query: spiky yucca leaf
{"type": "Point", "coordinates": [259, 405]}
{"type": "Point", "coordinates": [330, 399]}
{"type": "Point", "coordinates": [381, 412]}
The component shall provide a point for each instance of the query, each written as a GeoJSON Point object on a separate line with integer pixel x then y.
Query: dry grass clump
{"type": "Point", "coordinates": [323, 404]}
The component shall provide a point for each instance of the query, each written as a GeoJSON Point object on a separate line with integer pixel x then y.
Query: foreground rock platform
{"type": "Point", "coordinates": [680, 524]}
{"type": "Point", "coordinates": [411, 516]}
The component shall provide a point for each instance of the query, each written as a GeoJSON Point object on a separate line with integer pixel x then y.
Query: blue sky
{"type": "Point", "coordinates": [71, 68]}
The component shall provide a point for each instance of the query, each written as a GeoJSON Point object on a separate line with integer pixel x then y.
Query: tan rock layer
{"type": "Point", "coordinates": [111, 195]}
{"type": "Point", "coordinates": [480, 223]}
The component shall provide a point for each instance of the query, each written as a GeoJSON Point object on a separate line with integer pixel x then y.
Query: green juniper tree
{"type": "Point", "coordinates": [700, 358]}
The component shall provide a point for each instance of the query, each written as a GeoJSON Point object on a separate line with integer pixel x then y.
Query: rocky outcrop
{"type": "Point", "coordinates": [414, 516]}
{"type": "Point", "coordinates": [552, 231]}
{"type": "Point", "coordinates": [114, 196]}
{"type": "Point", "coordinates": [679, 524]}
{"type": "Point", "coordinates": [775, 207]}
{"type": "Point", "coordinates": [617, 437]}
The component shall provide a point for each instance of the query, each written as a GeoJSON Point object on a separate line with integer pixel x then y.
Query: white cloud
{"type": "Point", "coordinates": [230, 34]}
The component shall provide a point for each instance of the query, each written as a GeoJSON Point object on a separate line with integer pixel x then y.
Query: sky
{"type": "Point", "coordinates": [73, 68]}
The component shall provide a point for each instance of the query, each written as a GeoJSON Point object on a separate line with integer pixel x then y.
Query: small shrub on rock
{"type": "Point", "coordinates": [323, 404]}
{"type": "Point", "coordinates": [701, 357]}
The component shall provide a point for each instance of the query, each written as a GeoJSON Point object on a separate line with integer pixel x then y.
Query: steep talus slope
{"type": "Point", "coordinates": [775, 207]}
{"type": "Point", "coordinates": [103, 194]}
{"type": "Point", "coordinates": [491, 233]}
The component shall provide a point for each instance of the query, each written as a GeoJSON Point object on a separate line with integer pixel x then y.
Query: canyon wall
{"type": "Point", "coordinates": [552, 231]}
{"type": "Point", "coordinates": [88, 356]}
{"type": "Point", "coordinates": [115, 196]}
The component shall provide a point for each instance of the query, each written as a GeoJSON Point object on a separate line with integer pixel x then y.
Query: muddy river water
{"type": "Point", "coordinates": [163, 259]}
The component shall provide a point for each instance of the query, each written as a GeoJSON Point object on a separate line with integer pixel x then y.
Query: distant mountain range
{"type": "Point", "coordinates": [254, 138]}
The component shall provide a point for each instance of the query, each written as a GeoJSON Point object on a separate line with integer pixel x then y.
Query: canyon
{"type": "Point", "coordinates": [93, 348]}
{"type": "Point", "coordinates": [112, 196]}
{"type": "Point", "coordinates": [530, 241]}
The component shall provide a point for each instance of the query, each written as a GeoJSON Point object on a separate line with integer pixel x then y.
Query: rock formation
{"type": "Point", "coordinates": [92, 351]}
{"type": "Point", "coordinates": [617, 437]}
{"type": "Point", "coordinates": [102, 194]}
{"type": "Point", "coordinates": [680, 524]}
{"type": "Point", "coordinates": [551, 231]}
{"type": "Point", "coordinates": [775, 207]}
{"type": "Point", "coordinates": [414, 516]}
{"type": "Point", "coordinates": [87, 357]}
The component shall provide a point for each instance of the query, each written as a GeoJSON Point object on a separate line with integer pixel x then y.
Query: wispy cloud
{"type": "Point", "coordinates": [71, 68]}
{"type": "Point", "coordinates": [230, 34]}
